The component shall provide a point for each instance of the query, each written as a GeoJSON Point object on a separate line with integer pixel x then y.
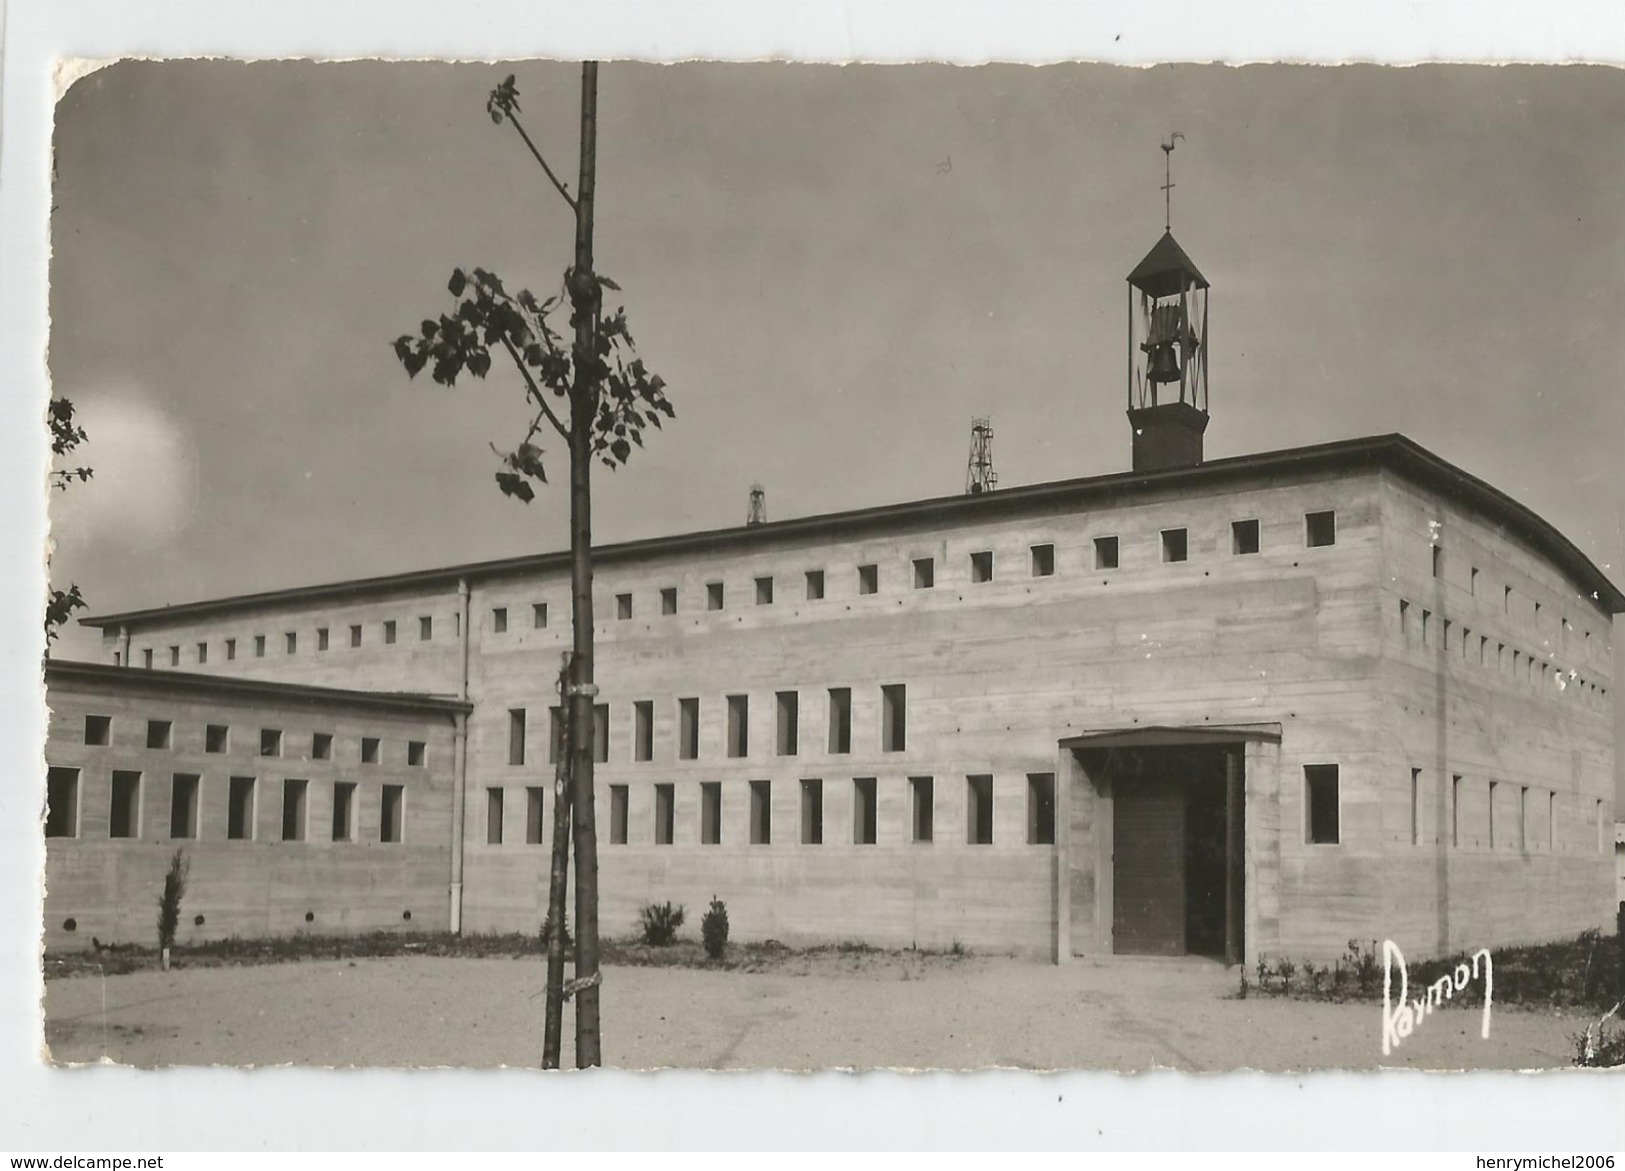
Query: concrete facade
{"type": "Point", "coordinates": [153, 762]}
{"type": "Point", "coordinates": [1012, 632]}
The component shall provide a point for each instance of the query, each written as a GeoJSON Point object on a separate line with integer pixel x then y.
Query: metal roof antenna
{"type": "Point", "coordinates": [979, 474]}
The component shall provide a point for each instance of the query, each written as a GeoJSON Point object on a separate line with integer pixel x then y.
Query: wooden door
{"type": "Point", "coordinates": [1148, 867]}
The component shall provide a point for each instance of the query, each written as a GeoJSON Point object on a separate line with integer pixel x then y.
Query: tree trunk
{"type": "Point", "coordinates": [583, 408]}
{"type": "Point", "coordinates": [558, 882]}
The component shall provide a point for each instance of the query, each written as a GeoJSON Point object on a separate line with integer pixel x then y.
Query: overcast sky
{"type": "Point", "coordinates": [833, 268]}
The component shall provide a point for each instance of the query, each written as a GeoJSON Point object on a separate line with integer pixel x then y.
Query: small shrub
{"type": "Point", "coordinates": [547, 931]}
{"type": "Point", "coordinates": [660, 924]}
{"type": "Point", "coordinates": [1241, 989]}
{"type": "Point", "coordinates": [1286, 969]}
{"type": "Point", "coordinates": [169, 903]}
{"type": "Point", "coordinates": [714, 929]}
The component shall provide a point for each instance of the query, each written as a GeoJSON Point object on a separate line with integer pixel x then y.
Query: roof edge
{"type": "Point", "coordinates": [1375, 449]}
{"type": "Point", "coordinates": [229, 685]}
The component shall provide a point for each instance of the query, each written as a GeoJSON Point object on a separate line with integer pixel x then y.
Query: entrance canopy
{"type": "Point", "coordinates": [1165, 736]}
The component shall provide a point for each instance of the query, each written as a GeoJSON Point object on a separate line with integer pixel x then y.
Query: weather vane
{"type": "Point", "coordinates": [1168, 181]}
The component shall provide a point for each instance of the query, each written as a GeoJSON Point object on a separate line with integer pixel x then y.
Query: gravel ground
{"type": "Point", "coordinates": [816, 1011]}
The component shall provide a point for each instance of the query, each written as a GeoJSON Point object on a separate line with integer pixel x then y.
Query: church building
{"type": "Point", "coordinates": [1252, 706]}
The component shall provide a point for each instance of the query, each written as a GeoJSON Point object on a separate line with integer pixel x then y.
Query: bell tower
{"type": "Point", "coordinates": [1167, 349]}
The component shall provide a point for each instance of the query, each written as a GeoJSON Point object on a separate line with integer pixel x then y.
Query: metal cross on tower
{"type": "Point", "coordinates": [1168, 181]}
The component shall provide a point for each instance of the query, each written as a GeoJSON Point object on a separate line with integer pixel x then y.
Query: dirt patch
{"type": "Point", "coordinates": [812, 1010]}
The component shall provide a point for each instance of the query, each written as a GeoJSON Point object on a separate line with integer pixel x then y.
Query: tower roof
{"type": "Point", "coordinates": [1159, 273]}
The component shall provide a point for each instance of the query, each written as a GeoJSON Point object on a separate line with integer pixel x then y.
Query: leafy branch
{"type": "Point", "coordinates": [66, 435]}
{"type": "Point", "coordinates": [486, 318]}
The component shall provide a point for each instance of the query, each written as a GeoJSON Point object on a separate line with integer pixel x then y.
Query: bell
{"type": "Point", "coordinates": [1164, 365]}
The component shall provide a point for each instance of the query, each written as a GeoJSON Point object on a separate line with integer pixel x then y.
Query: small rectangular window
{"type": "Point", "coordinates": [921, 808]}
{"type": "Point", "coordinates": [231, 649]}
{"type": "Point", "coordinates": [124, 817]}
{"type": "Point", "coordinates": [1551, 822]}
{"type": "Point", "coordinates": [600, 733]}
{"type": "Point", "coordinates": [713, 595]}
{"type": "Point", "coordinates": [643, 730]}
{"type": "Point", "coordinates": [981, 566]}
{"type": "Point", "coordinates": [688, 728]}
{"type": "Point", "coordinates": [216, 738]}
{"type": "Point", "coordinates": [1483, 650]}
{"type": "Point", "coordinates": [1416, 806]}
{"type": "Point", "coordinates": [1105, 552]}
{"type": "Point", "coordinates": [868, 579]}
{"type": "Point", "coordinates": [1437, 562]}
{"type": "Point", "coordinates": [925, 573]}
{"type": "Point", "coordinates": [389, 632]}
{"type": "Point", "coordinates": [1472, 582]}
{"type": "Point", "coordinates": [240, 810]}
{"type": "Point", "coordinates": [183, 798]}
{"type": "Point", "coordinates": [738, 725]}
{"type": "Point", "coordinates": [863, 811]}
{"type": "Point", "coordinates": [840, 720]}
{"type": "Point", "coordinates": [1043, 560]}
{"type": "Point", "coordinates": [979, 811]}
{"type": "Point", "coordinates": [668, 600]}
{"type": "Point", "coordinates": [761, 813]}
{"type": "Point", "coordinates": [623, 607]}
{"type": "Point", "coordinates": [98, 730]}
{"type": "Point", "coordinates": [291, 641]}
{"type": "Point", "coordinates": [355, 636]}
{"type": "Point", "coordinates": [321, 746]}
{"type": "Point", "coordinates": [369, 750]}
{"type": "Point", "coordinates": [158, 733]}
{"type": "Point", "coordinates": [1321, 801]}
{"type": "Point", "coordinates": [343, 811]}
{"type": "Point", "coordinates": [618, 799]}
{"type": "Point", "coordinates": [293, 810]}
{"type": "Point", "coordinates": [499, 620]}
{"type": "Point", "coordinates": [321, 638]}
{"type": "Point", "coordinates": [146, 658]}
{"type": "Point", "coordinates": [1041, 809]}
{"type": "Point", "coordinates": [1175, 545]}
{"type": "Point", "coordinates": [1404, 618]}
{"type": "Point", "coordinates": [1320, 529]}
{"type": "Point", "coordinates": [1602, 837]}
{"type": "Point", "coordinates": [1455, 809]}
{"type": "Point", "coordinates": [415, 753]}
{"type": "Point", "coordinates": [812, 812]}
{"type": "Point", "coordinates": [62, 803]}
{"type": "Point", "coordinates": [787, 723]}
{"type": "Point", "coordinates": [425, 628]}
{"type": "Point", "coordinates": [710, 813]}
{"type": "Point", "coordinates": [538, 615]}
{"type": "Point", "coordinates": [665, 814]}
{"type": "Point", "coordinates": [516, 736]}
{"type": "Point", "coordinates": [493, 817]}
{"type": "Point", "coordinates": [764, 591]}
{"type": "Point", "coordinates": [1523, 819]}
{"type": "Point", "coordinates": [391, 814]}
{"type": "Point", "coordinates": [815, 584]}
{"type": "Point", "coordinates": [534, 825]}
{"type": "Point", "coordinates": [202, 653]}
{"type": "Point", "coordinates": [1494, 787]}
{"type": "Point", "coordinates": [1243, 537]}
{"type": "Point", "coordinates": [174, 656]}
{"type": "Point", "coordinates": [893, 717]}
{"type": "Point", "coordinates": [1427, 627]}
